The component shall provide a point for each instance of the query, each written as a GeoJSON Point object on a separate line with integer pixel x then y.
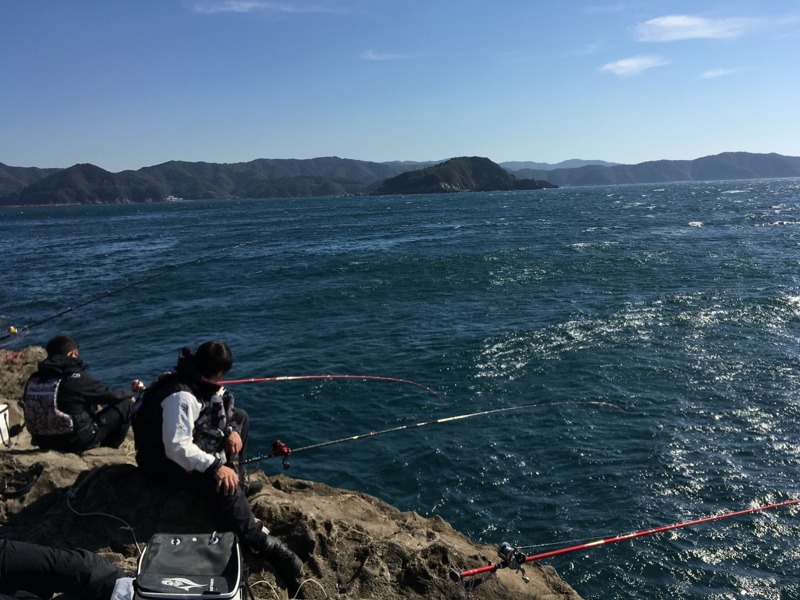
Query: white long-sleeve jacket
{"type": "Point", "coordinates": [180, 412]}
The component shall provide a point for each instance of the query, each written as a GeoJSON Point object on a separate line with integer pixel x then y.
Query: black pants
{"type": "Point", "coordinates": [113, 423]}
{"type": "Point", "coordinates": [33, 571]}
{"type": "Point", "coordinates": [233, 510]}
{"type": "Point", "coordinates": [111, 426]}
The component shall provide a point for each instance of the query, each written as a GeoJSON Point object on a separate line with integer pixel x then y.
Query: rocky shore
{"type": "Point", "coordinates": [354, 546]}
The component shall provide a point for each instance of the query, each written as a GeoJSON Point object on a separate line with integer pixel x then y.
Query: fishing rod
{"type": "Point", "coordinates": [279, 449]}
{"type": "Point", "coordinates": [514, 559]}
{"type": "Point", "coordinates": [12, 330]}
{"type": "Point", "coordinates": [307, 377]}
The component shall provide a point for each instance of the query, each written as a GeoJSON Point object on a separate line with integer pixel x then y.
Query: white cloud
{"type": "Point", "coordinates": [237, 6]}
{"type": "Point", "coordinates": [372, 55]}
{"type": "Point", "coordinates": [251, 6]}
{"type": "Point", "coordinates": [634, 65]}
{"type": "Point", "coordinates": [592, 48]}
{"type": "Point", "coordinates": [605, 8]}
{"type": "Point", "coordinates": [714, 73]}
{"type": "Point", "coordinates": [674, 28]}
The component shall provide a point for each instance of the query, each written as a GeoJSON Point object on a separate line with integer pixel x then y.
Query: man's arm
{"type": "Point", "coordinates": [94, 391]}
{"type": "Point", "coordinates": [180, 411]}
{"type": "Point", "coordinates": [233, 436]}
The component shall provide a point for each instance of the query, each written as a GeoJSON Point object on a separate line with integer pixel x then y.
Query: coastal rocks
{"type": "Point", "coordinates": [354, 545]}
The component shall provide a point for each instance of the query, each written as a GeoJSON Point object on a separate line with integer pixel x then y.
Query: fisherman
{"type": "Point", "coordinates": [34, 572]}
{"type": "Point", "coordinates": [62, 403]}
{"type": "Point", "coordinates": [189, 434]}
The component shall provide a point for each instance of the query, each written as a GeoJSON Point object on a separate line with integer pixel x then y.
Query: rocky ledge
{"type": "Point", "coordinates": [354, 546]}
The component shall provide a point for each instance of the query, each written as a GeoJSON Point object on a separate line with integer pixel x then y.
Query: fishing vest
{"type": "Point", "coordinates": [42, 415]}
{"type": "Point", "coordinates": [209, 429]}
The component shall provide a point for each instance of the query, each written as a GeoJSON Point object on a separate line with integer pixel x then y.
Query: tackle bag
{"type": "Point", "coordinates": [190, 566]}
{"type": "Point", "coordinates": [5, 428]}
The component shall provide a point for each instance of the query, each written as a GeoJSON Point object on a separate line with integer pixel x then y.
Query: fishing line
{"type": "Point", "coordinates": [282, 450]}
{"type": "Point", "coordinates": [306, 377]}
{"type": "Point", "coordinates": [12, 331]}
{"type": "Point", "coordinates": [514, 559]}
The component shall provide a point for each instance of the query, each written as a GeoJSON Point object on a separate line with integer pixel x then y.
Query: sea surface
{"type": "Point", "coordinates": [655, 329]}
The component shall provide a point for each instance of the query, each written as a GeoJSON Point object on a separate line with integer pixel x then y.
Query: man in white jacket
{"type": "Point", "coordinates": [189, 434]}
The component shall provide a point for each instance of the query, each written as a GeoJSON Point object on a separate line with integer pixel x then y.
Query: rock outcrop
{"type": "Point", "coordinates": [354, 545]}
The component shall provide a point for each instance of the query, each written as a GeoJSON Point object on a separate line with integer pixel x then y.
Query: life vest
{"type": "Point", "coordinates": [42, 415]}
{"type": "Point", "coordinates": [209, 429]}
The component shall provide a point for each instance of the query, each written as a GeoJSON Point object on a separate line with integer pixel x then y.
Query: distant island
{"type": "Point", "coordinates": [334, 176]}
{"type": "Point", "coordinates": [465, 174]}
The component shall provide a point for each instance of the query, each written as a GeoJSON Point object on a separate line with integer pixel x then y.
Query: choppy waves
{"type": "Point", "coordinates": [654, 332]}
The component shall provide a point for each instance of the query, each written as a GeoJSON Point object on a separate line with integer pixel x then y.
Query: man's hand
{"type": "Point", "coordinates": [233, 444]}
{"type": "Point", "coordinates": [227, 480]}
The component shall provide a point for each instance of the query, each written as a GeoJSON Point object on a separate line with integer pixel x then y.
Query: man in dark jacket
{"type": "Point", "coordinates": [188, 434]}
{"type": "Point", "coordinates": [61, 403]}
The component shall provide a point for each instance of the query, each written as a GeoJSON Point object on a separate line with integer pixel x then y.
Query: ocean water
{"type": "Point", "coordinates": [655, 328]}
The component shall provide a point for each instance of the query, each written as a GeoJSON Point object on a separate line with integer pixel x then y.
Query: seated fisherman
{"type": "Point", "coordinates": [188, 434]}
{"type": "Point", "coordinates": [61, 403]}
{"type": "Point", "coordinates": [33, 572]}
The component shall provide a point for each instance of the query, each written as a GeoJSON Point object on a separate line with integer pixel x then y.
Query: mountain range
{"type": "Point", "coordinates": [334, 176]}
{"type": "Point", "coordinates": [728, 165]}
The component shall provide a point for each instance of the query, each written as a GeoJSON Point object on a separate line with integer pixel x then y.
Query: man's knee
{"type": "Point", "coordinates": [239, 415]}
{"type": "Point", "coordinates": [125, 409]}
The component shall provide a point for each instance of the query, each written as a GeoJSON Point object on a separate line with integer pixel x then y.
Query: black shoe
{"type": "Point", "coordinates": [286, 562]}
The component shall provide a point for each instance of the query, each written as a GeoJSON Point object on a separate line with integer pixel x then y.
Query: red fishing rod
{"type": "Point", "coordinates": [306, 377]}
{"type": "Point", "coordinates": [514, 559]}
{"type": "Point", "coordinates": [279, 449]}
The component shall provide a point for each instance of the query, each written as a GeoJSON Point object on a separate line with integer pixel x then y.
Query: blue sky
{"type": "Point", "coordinates": [126, 84]}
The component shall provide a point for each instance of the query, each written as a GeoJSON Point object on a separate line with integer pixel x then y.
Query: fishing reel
{"type": "Point", "coordinates": [512, 558]}
{"type": "Point", "coordinates": [281, 449]}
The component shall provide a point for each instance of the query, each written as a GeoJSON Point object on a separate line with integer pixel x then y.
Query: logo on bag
{"type": "Point", "coordinates": [181, 583]}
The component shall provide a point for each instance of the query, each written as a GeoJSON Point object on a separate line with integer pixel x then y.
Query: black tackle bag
{"type": "Point", "coordinates": [190, 566]}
